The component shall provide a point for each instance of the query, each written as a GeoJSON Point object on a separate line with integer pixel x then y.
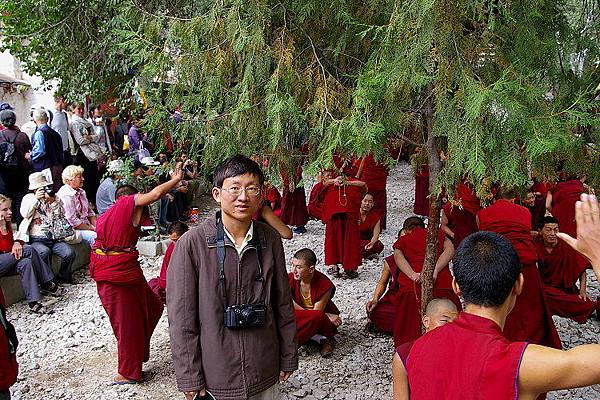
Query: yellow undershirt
{"type": "Point", "coordinates": [307, 303]}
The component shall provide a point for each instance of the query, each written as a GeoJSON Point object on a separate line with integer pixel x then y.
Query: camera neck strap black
{"type": "Point", "coordinates": [221, 257]}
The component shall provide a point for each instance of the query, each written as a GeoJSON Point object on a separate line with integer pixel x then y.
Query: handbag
{"type": "Point", "coordinates": [142, 151]}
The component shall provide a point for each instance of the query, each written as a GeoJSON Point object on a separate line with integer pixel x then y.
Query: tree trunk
{"type": "Point", "coordinates": [435, 165]}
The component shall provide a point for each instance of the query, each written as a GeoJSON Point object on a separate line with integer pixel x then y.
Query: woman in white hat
{"type": "Point", "coordinates": [45, 225]}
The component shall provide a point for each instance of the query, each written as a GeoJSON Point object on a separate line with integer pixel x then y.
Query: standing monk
{"type": "Point", "coordinates": [375, 176]}
{"type": "Point", "coordinates": [132, 307]}
{"type": "Point", "coordinates": [317, 317]}
{"type": "Point", "coordinates": [530, 320]}
{"type": "Point", "coordinates": [341, 211]}
{"type": "Point", "coordinates": [560, 201]}
{"type": "Point", "coordinates": [459, 216]}
{"type": "Point", "coordinates": [317, 198]}
{"type": "Point", "coordinates": [409, 255]}
{"type": "Point", "coordinates": [560, 268]}
{"type": "Point", "coordinates": [293, 201]}
{"type": "Point", "coordinates": [369, 226]}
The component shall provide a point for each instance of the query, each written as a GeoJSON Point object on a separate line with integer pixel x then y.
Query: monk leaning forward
{"type": "Point", "coordinates": [132, 308]}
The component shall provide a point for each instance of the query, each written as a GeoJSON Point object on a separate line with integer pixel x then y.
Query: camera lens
{"type": "Point", "coordinates": [250, 316]}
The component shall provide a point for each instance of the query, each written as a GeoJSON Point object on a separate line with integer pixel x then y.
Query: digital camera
{"type": "Point", "coordinates": [245, 315]}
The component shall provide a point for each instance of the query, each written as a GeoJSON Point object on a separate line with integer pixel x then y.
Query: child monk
{"type": "Point", "coordinates": [317, 317]}
{"type": "Point", "coordinates": [409, 255]}
{"type": "Point", "coordinates": [369, 226]}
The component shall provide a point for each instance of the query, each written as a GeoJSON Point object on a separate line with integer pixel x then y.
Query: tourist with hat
{"type": "Point", "coordinates": [45, 225]}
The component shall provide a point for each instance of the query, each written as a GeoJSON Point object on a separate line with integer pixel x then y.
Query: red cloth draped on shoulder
{"type": "Point", "coordinates": [116, 233]}
{"type": "Point", "coordinates": [421, 206]}
{"type": "Point", "coordinates": [530, 320]}
{"type": "Point", "coordinates": [385, 311]}
{"type": "Point", "coordinates": [407, 326]}
{"type": "Point", "coordinates": [273, 197]}
{"type": "Point", "coordinates": [466, 359]}
{"type": "Point", "coordinates": [560, 270]}
{"type": "Point", "coordinates": [9, 368]}
{"type": "Point", "coordinates": [315, 202]}
{"type": "Point", "coordinates": [564, 197]}
{"type": "Point", "coordinates": [462, 222]}
{"type": "Point", "coordinates": [312, 322]}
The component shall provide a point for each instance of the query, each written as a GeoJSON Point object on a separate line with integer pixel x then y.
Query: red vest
{"type": "Point", "coordinates": [467, 359]}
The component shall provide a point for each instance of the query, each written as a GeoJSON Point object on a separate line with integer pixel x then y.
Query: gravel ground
{"type": "Point", "coordinates": [71, 354]}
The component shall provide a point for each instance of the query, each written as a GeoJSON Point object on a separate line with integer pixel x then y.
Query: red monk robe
{"type": "Point", "coordinates": [560, 270]}
{"type": "Point", "coordinates": [467, 359]}
{"type": "Point", "coordinates": [407, 325]}
{"type": "Point", "coordinates": [341, 211]}
{"type": "Point", "coordinates": [385, 311]}
{"type": "Point", "coordinates": [564, 197]}
{"type": "Point", "coordinates": [538, 209]}
{"type": "Point", "coordinates": [132, 307]}
{"type": "Point", "coordinates": [273, 198]}
{"type": "Point", "coordinates": [530, 320]}
{"type": "Point", "coordinates": [159, 285]}
{"type": "Point", "coordinates": [315, 202]}
{"type": "Point", "coordinates": [312, 322]}
{"type": "Point", "coordinates": [422, 191]}
{"type": "Point", "coordinates": [375, 176]}
{"type": "Point", "coordinates": [293, 202]}
{"type": "Point", "coordinates": [366, 228]}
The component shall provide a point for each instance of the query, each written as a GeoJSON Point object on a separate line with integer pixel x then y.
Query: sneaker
{"type": "Point", "coordinates": [36, 308]}
{"type": "Point", "coordinates": [53, 290]}
{"type": "Point", "coordinates": [299, 230]}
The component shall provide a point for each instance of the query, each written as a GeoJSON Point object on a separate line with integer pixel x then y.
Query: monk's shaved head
{"type": "Point", "coordinates": [411, 223]}
{"type": "Point", "coordinates": [439, 312]}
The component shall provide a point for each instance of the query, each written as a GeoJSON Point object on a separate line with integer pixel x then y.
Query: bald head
{"type": "Point", "coordinates": [439, 312]}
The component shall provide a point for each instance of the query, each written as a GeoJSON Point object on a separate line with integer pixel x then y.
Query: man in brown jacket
{"type": "Point", "coordinates": [231, 318]}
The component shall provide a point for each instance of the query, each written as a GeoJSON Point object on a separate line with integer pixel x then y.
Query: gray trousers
{"type": "Point", "coordinates": [46, 248]}
{"type": "Point", "coordinates": [32, 269]}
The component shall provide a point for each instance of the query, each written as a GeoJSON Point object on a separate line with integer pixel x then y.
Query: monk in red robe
{"type": "Point", "coordinates": [560, 201]}
{"type": "Point", "coordinates": [470, 359]}
{"type": "Point", "coordinates": [437, 313]}
{"type": "Point", "coordinates": [317, 317]}
{"type": "Point", "coordinates": [159, 284]}
{"type": "Point", "coordinates": [459, 216]}
{"type": "Point", "coordinates": [293, 202]}
{"type": "Point", "coordinates": [530, 320]}
{"type": "Point", "coordinates": [375, 175]}
{"type": "Point", "coordinates": [341, 209]}
{"type": "Point", "coordinates": [273, 198]}
{"type": "Point", "coordinates": [317, 196]}
{"type": "Point", "coordinates": [132, 308]}
{"type": "Point", "coordinates": [560, 268]}
{"type": "Point", "coordinates": [369, 226]}
{"type": "Point", "coordinates": [409, 255]}
{"type": "Point", "coordinates": [421, 206]}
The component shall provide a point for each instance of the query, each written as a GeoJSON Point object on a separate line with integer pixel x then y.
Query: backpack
{"type": "Point", "coordinates": [8, 156]}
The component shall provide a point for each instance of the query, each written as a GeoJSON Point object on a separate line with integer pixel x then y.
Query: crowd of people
{"type": "Point", "coordinates": [236, 316]}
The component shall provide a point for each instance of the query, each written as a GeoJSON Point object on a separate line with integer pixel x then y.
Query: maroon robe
{"type": "Point", "coordinates": [461, 222]}
{"type": "Point", "coordinates": [375, 176]}
{"type": "Point", "coordinates": [385, 311]}
{"type": "Point", "coordinates": [564, 197]}
{"type": "Point", "coordinates": [530, 320]}
{"type": "Point", "coordinates": [407, 325]}
{"type": "Point", "coordinates": [312, 322]}
{"type": "Point", "coordinates": [560, 270]}
{"type": "Point", "coordinates": [9, 369]}
{"type": "Point", "coordinates": [366, 229]}
{"type": "Point", "coordinates": [159, 285]}
{"type": "Point", "coordinates": [467, 359]}
{"type": "Point", "coordinates": [341, 211]}
{"type": "Point", "coordinates": [315, 201]}
{"type": "Point", "coordinates": [273, 197]}
{"type": "Point", "coordinates": [293, 203]}
{"type": "Point", "coordinates": [422, 191]}
{"type": "Point", "coordinates": [132, 308]}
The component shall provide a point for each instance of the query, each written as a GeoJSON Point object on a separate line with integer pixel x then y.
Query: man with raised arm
{"type": "Point", "coordinates": [479, 362]}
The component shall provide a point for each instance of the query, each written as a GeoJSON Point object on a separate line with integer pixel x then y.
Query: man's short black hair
{"type": "Point", "coordinates": [177, 227]}
{"type": "Point", "coordinates": [125, 190]}
{"type": "Point", "coordinates": [307, 255]}
{"type": "Point", "coordinates": [236, 166]}
{"type": "Point", "coordinates": [548, 219]}
{"type": "Point", "coordinates": [413, 222]}
{"type": "Point", "coordinates": [486, 267]}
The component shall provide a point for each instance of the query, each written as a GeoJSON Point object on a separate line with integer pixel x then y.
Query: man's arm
{"type": "Point", "coordinates": [404, 266]}
{"type": "Point", "coordinates": [399, 379]}
{"type": "Point", "coordinates": [549, 202]}
{"type": "Point", "coordinates": [145, 199]}
{"type": "Point", "coordinates": [80, 134]}
{"type": "Point", "coordinates": [184, 325]}
{"type": "Point", "coordinates": [39, 148]}
{"type": "Point", "coordinates": [322, 302]}
{"type": "Point", "coordinates": [285, 319]}
{"type": "Point", "coordinates": [382, 283]}
{"type": "Point", "coordinates": [276, 223]}
{"type": "Point", "coordinates": [444, 258]}
{"type": "Point", "coordinates": [544, 369]}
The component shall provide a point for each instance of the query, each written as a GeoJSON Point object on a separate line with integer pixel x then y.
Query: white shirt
{"type": "Point", "coordinates": [246, 240]}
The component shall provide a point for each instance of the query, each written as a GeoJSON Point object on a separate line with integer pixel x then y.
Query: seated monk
{"type": "Point", "coordinates": [159, 284]}
{"type": "Point", "coordinates": [409, 255]}
{"type": "Point", "coordinates": [438, 313]}
{"type": "Point", "coordinates": [369, 226]}
{"type": "Point", "coordinates": [560, 268]}
{"type": "Point", "coordinates": [382, 311]}
{"type": "Point", "coordinates": [530, 320]}
{"type": "Point", "coordinates": [317, 317]}
{"type": "Point", "coordinates": [470, 358]}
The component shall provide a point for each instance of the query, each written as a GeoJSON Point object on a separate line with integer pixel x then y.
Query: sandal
{"type": "Point", "coordinates": [333, 270]}
{"type": "Point", "coordinates": [36, 308]}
